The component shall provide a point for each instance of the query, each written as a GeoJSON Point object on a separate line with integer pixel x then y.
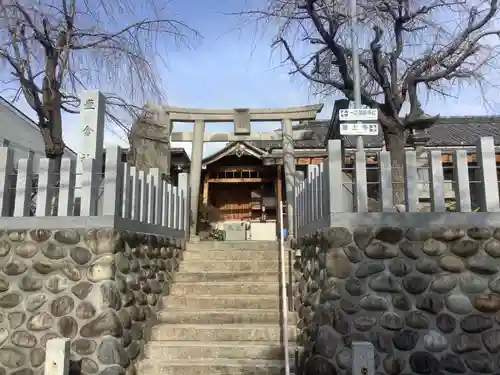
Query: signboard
{"type": "Point", "coordinates": [91, 131]}
{"type": "Point", "coordinates": [91, 125]}
{"type": "Point", "coordinates": [358, 128]}
{"type": "Point", "coordinates": [235, 231]}
{"type": "Point", "coordinates": [358, 114]}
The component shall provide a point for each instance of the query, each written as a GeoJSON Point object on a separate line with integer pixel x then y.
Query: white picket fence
{"type": "Point", "coordinates": [122, 192]}
{"type": "Point", "coordinates": [325, 193]}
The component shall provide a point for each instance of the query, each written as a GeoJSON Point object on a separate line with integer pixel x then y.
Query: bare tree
{"type": "Point", "coordinates": [406, 48]}
{"type": "Point", "coordinates": [53, 49]}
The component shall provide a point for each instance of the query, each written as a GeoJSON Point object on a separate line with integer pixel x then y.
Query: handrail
{"type": "Point", "coordinates": [284, 297]}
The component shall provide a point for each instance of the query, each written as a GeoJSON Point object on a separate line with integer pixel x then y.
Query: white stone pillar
{"type": "Point", "coordinates": [183, 183]}
{"type": "Point", "coordinates": [195, 174]}
{"type": "Point", "coordinates": [92, 112]}
{"type": "Point", "coordinates": [57, 357]}
{"type": "Point", "coordinates": [290, 173]}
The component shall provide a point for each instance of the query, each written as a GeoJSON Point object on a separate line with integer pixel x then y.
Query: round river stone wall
{"type": "Point", "coordinates": [428, 300]}
{"type": "Point", "coordinates": [99, 288]}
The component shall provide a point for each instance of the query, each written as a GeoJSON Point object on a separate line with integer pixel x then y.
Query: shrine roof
{"type": "Point", "coordinates": [235, 148]}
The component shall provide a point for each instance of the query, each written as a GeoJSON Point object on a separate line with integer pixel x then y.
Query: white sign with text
{"type": "Point", "coordinates": [358, 114]}
{"type": "Point", "coordinates": [358, 128]}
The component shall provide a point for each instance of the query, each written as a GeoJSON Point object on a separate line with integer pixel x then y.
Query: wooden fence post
{"type": "Point", "coordinates": [486, 159]}
{"type": "Point", "coordinates": [127, 197]}
{"type": "Point", "coordinates": [24, 187]}
{"type": "Point", "coordinates": [182, 197]}
{"type": "Point", "coordinates": [113, 182]}
{"type": "Point", "coordinates": [312, 173]}
{"type": "Point", "coordinates": [175, 191]}
{"type": "Point", "coordinates": [309, 196]}
{"type": "Point", "coordinates": [320, 184]}
{"type": "Point", "coordinates": [45, 192]}
{"type": "Point", "coordinates": [158, 196]}
{"type": "Point", "coordinates": [436, 176]}
{"type": "Point", "coordinates": [361, 185]}
{"type": "Point", "coordinates": [67, 182]}
{"type": "Point", "coordinates": [411, 182]}
{"type": "Point", "coordinates": [151, 198]}
{"type": "Point", "coordinates": [385, 169]}
{"type": "Point", "coordinates": [6, 173]}
{"type": "Point", "coordinates": [171, 207]}
{"type": "Point", "coordinates": [167, 204]}
{"type": "Point", "coordinates": [143, 196]}
{"type": "Point", "coordinates": [88, 191]}
{"type": "Point", "coordinates": [461, 177]}
{"type": "Point", "coordinates": [135, 192]}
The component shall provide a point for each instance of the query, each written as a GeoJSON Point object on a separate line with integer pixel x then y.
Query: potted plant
{"type": "Point", "coordinates": [208, 219]}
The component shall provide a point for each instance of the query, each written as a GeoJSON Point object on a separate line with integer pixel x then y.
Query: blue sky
{"type": "Point", "coordinates": [232, 66]}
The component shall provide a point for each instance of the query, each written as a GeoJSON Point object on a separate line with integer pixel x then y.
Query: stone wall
{"type": "Point", "coordinates": [98, 287]}
{"type": "Point", "coordinates": [428, 300]}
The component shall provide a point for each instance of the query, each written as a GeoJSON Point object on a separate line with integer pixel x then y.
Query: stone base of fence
{"type": "Point", "coordinates": [84, 222]}
{"type": "Point", "coordinates": [97, 286]}
{"type": "Point", "coordinates": [423, 220]}
{"type": "Point", "coordinates": [423, 288]}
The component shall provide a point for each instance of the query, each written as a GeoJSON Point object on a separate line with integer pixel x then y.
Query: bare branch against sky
{"type": "Point", "coordinates": [53, 49]}
{"type": "Point", "coordinates": [407, 48]}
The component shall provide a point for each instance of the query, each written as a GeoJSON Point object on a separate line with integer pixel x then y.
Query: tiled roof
{"type": "Point", "coordinates": [448, 131]}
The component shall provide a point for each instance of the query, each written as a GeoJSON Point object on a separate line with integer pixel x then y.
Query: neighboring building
{"type": "Point", "coordinates": [22, 134]}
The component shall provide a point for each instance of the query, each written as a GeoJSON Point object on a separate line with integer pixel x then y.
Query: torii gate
{"type": "Point", "coordinates": [241, 117]}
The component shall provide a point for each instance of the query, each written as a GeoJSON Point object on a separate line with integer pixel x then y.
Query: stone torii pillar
{"type": "Point", "coordinates": [242, 118]}
{"type": "Point", "coordinates": [290, 172]}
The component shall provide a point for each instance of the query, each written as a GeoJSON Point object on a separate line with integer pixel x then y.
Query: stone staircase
{"type": "Point", "coordinates": [222, 316]}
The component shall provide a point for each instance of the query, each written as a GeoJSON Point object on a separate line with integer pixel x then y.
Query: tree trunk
{"type": "Point", "coordinates": [54, 144]}
{"type": "Point", "coordinates": [395, 141]}
{"type": "Point", "coordinates": [54, 150]}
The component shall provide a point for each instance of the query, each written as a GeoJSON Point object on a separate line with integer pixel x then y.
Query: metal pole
{"type": "Point", "coordinates": [355, 66]}
{"type": "Point", "coordinates": [284, 307]}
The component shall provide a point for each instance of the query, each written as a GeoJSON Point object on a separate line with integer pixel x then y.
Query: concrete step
{"type": "Point", "coordinates": [230, 266]}
{"type": "Point", "coordinates": [229, 301]}
{"type": "Point", "coordinates": [233, 245]}
{"type": "Point", "coordinates": [248, 316]}
{"type": "Point", "coordinates": [173, 350]}
{"type": "Point", "coordinates": [223, 288]}
{"type": "Point", "coordinates": [211, 367]}
{"type": "Point", "coordinates": [224, 255]}
{"type": "Point", "coordinates": [220, 332]}
{"type": "Point", "coordinates": [183, 276]}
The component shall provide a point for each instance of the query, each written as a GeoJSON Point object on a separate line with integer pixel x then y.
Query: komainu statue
{"type": "Point", "coordinates": [150, 141]}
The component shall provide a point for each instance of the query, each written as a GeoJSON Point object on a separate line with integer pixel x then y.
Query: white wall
{"type": "Point", "coordinates": [22, 133]}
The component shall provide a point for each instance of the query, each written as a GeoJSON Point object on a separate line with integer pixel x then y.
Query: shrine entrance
{"type": "Point", "coordinates": [242, 118]}
{"type": "Point", "coordinates": [239, 185]}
